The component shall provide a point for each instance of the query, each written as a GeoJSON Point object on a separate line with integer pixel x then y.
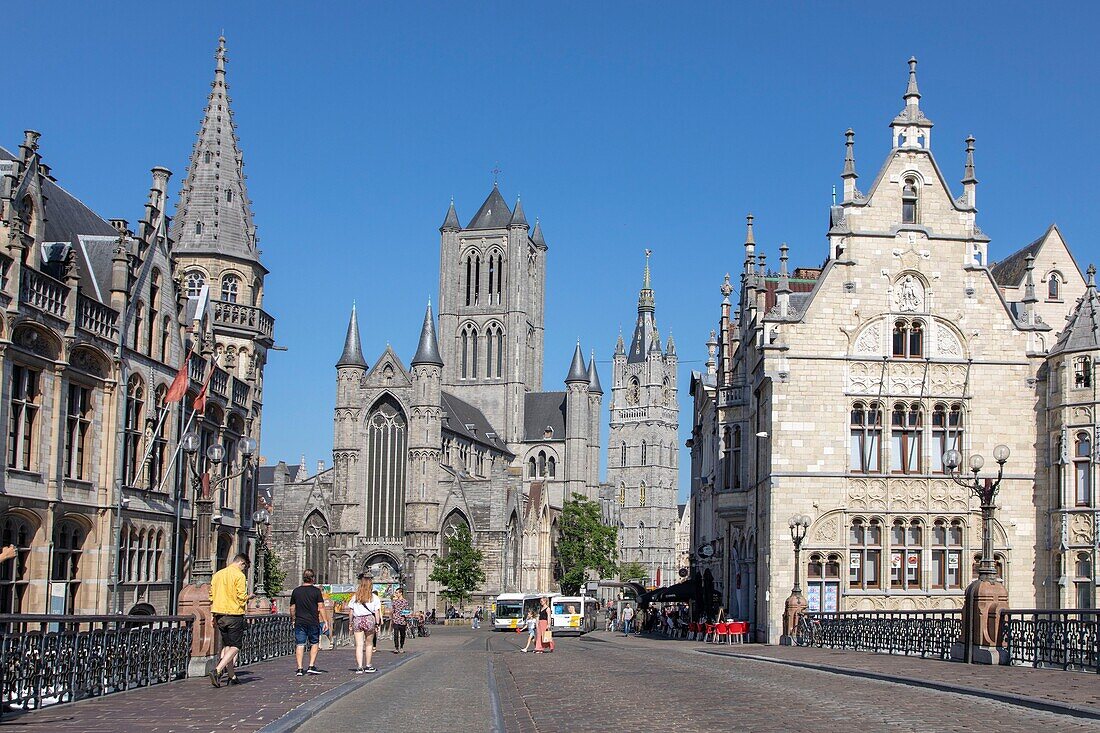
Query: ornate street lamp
{"type": "Point", "coordinates": [796, 604]}
{"type": "Point", "coordinates": [262, 519]}
{"type": "Point", "coordinates": [986, 596]}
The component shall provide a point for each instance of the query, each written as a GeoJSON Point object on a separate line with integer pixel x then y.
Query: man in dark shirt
{"type": "Point", "coordinates": [307, 611]}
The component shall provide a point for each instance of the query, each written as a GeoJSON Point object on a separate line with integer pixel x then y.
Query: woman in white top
{"type": "Point", "coordinates": [365, 608]}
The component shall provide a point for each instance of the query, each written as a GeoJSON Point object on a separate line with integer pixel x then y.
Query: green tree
{"type": "Point", "coordinates": [459, 569]}
{"type": "Point", "coordinates": [274, 575]}
{"type": "Point", "coordinates": [585, 544]}
{"type": "Point", "coordinates": [633, 571]}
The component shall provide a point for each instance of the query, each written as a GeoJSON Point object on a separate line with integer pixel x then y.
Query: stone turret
{"type": "Point", "coordinates": [849, 175]}
{"type": "Point", "coordinates": [425, 436]}
{"type": "Point", "coordinates": [595, 402]}
{"type": "Point", "coordinates": [969, 181]}
{"type": "Point", "coordinates": [351, 366]}
{"type": "Point", "coordinates": [577, 426]}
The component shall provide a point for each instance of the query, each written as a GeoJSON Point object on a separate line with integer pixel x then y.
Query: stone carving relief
{"type": "Point", "coordinates": [864, 377]}
{"type": "Point", "coordinates": [906, 379]}
{"type": "Point", "coordinates": [946, 379]}
{"type": "Point", "coordinates": [908, 495]}
{"type": "Point", "coordinates": [869, 343]}
{"type": "Point", "coordinates": [87, 361]}
{"type": "Point", "coordinates": [866, 494]}
{"type": "Point", "coordinates": [947, 343]}
{"type": "Point", "coordinates": [1081, 415]}
{"type": "Point", "coordinates": [828, 532]}
{"type": "Point", "coordinates": [1080, 529]}
{"type": "Point", "coordinates": [909, 294]}
{"type": "Point", "coordinates": [34, 342]}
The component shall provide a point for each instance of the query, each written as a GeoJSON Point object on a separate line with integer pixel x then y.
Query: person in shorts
{"type": "Point", "coordinates": [307, 612]}
{"type": "Point", "coordinates": [532, 625]}
{"type": "Point", "coordinates": [228, 598]}
{"type": "Point", "coordinates": [365, 608]}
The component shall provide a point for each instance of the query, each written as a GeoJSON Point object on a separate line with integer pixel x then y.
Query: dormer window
{"type": "Point", "coordinates": [207, 157]}
{"type": "Point", "coordinates": [909, 201]}
{"type": "Point", "coordinates": [1082, 372]}
{"type": "Point", "coordinates": [198, 227]}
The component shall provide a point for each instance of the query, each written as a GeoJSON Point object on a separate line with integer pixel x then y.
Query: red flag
{"type": "Point", "coordinates": [200, 399]}
{"type": "Point", "coordinates": [206, 484]}
{"type": "Point", "coordinates": [178, 388]}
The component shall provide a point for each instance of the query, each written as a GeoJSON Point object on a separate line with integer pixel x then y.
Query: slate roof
{"type": "Point", "coordinates": [1083, 331]}
{"type": "Point", "coordinates": [578, 372]}
{"type": "Point", "coordinates": [542, 410]}
{"type": "Point", "coordinates": [493, 214]}
{"type": "Point", "coordinates": [427, 351]}
{"type": "Point", "coordinates": [459, 414]}
{"type": "Point", "coordinates": [353, 349]}
{"type": "Point", "coordinates": [1010, 271]}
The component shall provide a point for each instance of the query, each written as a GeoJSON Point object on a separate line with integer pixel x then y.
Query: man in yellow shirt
{"type": "Point", "coordinates": [228, 596]}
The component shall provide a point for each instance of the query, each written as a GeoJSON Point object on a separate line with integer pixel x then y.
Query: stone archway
{"type": "Point", "coordinates": [383, 567]}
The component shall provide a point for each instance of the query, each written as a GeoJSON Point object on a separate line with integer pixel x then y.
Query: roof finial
{"type": "Point", "coordinates": [968, 172]}
{"type": "Point", "coordinates": [750, 246]}
{"type": "Point", "coordinates": [912, 93]}
{"type": "Point", "coordinates": [726, 289]}
{"type": "Point", "coordinates": [849, 155]}
{"type": "Point", "coordinates": [219, 55]}
{"type": "Point", "coordinates": [645, 275]}
{"type": "Point", "coordinates": [1091, 273]}
{"type": "Point", "coordinates": [496, 174]}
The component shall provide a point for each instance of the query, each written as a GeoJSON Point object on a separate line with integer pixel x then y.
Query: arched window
{"type": "Point", "coordinates": [387, 442]}
{"type": "Point", "coordinates": [207, 157]}
{"type": "Point", "coordinates": [735, 462]}
{"type": "Point", "coordinates": [622, 454]}
{"type": "Point", "coordinates": [158, 557]}
{"type": "Point", "coordinates": [908, 340]}
{"type": "Point", "coordinates": [135, 426]}
{"type": "Point", "coordinates": [906, 542]}
{"type": "Point", "coordinates": [194, 282]}
{"type": "Point", "coordinates": [154, 306]}
{"type": "Point", "coordinates": [644, 453]}
{"type": "Point", "coordinates": [494, 352]}
{"type": "Point", "coordinates": [531, 470]}
{"type": "Point", "coordinates": [198, 227]}
{"type": "Point", "coordinates": [906, 433]}
{"type": "Point", "coordinates": [78, 424]}
{"type": "Point", "coordinates": [1082, 372]}
{"type": "Point", "coordinates": [25, 400]}
{"type": "Point", "coordinates": [552, 466]}
{"type": "Point", "coordinates": [492, 263]}
{"type": "Point", "coordinates": [228, 195]}
{"type": "Point", "coordinates": [909, 201]}
{"type": "Point", "coordinates": [633, 391]}
{"type": "Point", "coordinates": [866, 438]}
{"type": "Point", "coordinates": [946, 570]}
{"type": "Point", "coordinates": [68, 544]}
{"type": "Point", "coordinates": [455, 526]}
{"type": "Point", "coordinates": [230, 286]}
{"type": "Point", "coordinates": [14, 530]}
{"type": "Point", "coordinates": [947, 431]}
{"type": "Point", "coordinates": [641, 494]}
{"type": "Point", "coordinates": [622, 494]}
{"type": "Point", "coordinates": [865, 554]}
{"type": "Point", "coordinates": [1082, 580]}
{"type": "Point", "coordinates": [1053, 287]}
{"type": "Point", "coordinates": [1082, 470]}
{"type": "Point", "coordinates": [499, 295]}
{"type": "Point", "coordinates": [823, 577]}
{"type": "Point", "coordinates": [542, 463]}
{"type": "Point", "coordinates": [473, 279]}
{"type": "Point", "coordinates": [469, 352]}
{"type": "Point", "coordinates": [641, 535]}
{"type": "Point", "coordinates": [165, 334]}
{"type": "Point", "coordinates": [139, 316]}
{"type": "Point", "coordinates": [159, 455]}
{"type": "Point", "coordinates": [316, 535]}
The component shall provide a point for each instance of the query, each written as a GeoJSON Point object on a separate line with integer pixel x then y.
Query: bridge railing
{"type": "Point", "coordinates": [919, 633]}
{"type": "Point", "coordinates": [1065, 639]}
{"type": "Point", "coordinates": [47, 659]}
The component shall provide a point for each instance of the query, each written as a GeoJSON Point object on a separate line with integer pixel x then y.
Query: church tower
{"type": "Point", "coordinates": [642, 448]}
{"type": "Point", "coordinates": [492, 280]}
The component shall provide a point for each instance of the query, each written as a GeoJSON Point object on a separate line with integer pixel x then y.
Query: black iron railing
{"type": "Point", "coordinates": [1067, 639]}
{"type": "Point", "coordinates": [266, 636]}
{"type": "Point", "coordinates": [48, 659]}
{"type": "Point", "coordinates": [921, 633]}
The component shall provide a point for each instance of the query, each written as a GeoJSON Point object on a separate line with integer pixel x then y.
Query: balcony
{"type": "Point", "coordinates": [240, 394]}
{"type": "Point", "coordinates": [43, 293]}
{"type": "Point", "coordinates": [96, 318]}
{"type": "Point", "coordinates": [196, 369]}
{"type": "Point", "coordinates": [219, 383]}
{"type": "Point", "coordinates": [248, 319]}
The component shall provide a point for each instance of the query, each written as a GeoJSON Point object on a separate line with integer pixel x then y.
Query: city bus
{"type": "Point", "coordinates": [511, 609]}
{"type": "Point", "coordinates": [574, 614]}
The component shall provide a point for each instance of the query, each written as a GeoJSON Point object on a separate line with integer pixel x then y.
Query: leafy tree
{"type": "Point", "coordinates": [274, 575]}
{"type": "Point", "coordinates": [633, 571]}
{"type": "Point", "coordinates": [585, 544]}
{"type": "Point", "coordinates": [459, 569]}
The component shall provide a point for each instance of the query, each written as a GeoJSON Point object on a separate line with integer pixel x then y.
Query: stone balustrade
{"type": "Point", "coordinates": [42, 292]}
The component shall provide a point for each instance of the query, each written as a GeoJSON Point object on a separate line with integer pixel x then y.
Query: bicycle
{"type": "Point", "coordinates": [809, 630]}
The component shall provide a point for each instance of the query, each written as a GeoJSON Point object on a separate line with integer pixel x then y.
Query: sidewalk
{"type": "Point", "coordinates": [268, 691]}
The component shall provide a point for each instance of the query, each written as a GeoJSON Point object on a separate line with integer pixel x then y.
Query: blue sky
{"type": "Point", "coordinates": [623, 126]}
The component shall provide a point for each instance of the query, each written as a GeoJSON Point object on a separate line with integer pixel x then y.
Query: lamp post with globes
{"type": "Point", "coordinates": [261, 518]}
{"type": "Point", "coordinates": [796, 604]}
{"type": "Point", "coordinates": [204, 485]}
{"type": "Point", "coordinates": [986, 596]}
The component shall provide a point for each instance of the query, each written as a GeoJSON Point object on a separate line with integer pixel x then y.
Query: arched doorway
{"type": "Point", "coordinates": [383, 567]}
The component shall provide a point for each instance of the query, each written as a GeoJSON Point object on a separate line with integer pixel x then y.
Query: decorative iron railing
{"type": "Point", "coordinates": [923, 633]}
{"type": "Point", "coordinates": [43, 292]}
{"type": "Point", "coordinates": [96, 318]}
{"type": "Point", "coordinates": [249, 317]}
{"type": "Point", "coordinates": [240, 393]}
{"type": "Point", "coordinates": [1069, 639]}
{"type": "Point", "coordinates": [47, 659]}
{"type": "Point", "coordinates": [266, 636]}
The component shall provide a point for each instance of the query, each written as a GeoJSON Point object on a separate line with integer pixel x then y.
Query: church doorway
{"type": "Point", "coordinates": [384, 569]}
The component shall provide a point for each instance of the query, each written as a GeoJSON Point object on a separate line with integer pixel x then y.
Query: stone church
{"type": "Point", "coordinates": [461, 435]}
{"type": "Point", "coordinates": [835, 391]}
{"type": "Point", "coordinates": [643, 456]}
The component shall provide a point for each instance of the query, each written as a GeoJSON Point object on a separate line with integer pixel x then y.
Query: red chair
{"type": "Point", "coordinates": [720, 631]}
{"type": "Point", "coordinates": [738, 629]}
{"type": "Point", "coordinates": [709, 633]}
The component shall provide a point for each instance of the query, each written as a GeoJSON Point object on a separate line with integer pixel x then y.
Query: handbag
{"type": "Point", "coordinates": [547, 636]}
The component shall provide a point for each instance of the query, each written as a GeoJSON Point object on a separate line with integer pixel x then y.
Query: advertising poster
{"type": "Point", "coordinates": [832, 593]}
{"type": "Point", "coordinates": [813, 597]}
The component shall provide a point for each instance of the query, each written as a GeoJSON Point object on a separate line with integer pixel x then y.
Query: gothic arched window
{"type": "Point", "coordinates": [641, 494]}
{"type": "Point", "coordinates": [198, 227]}
{"type": "Point", "coordinates": [909, 201]}
{"type": "Point", "coordinates": [14, 530]}
{"type": "Point", "coordinates": [207, 157]}
{"type": "Point", "coordinates": [387, 443]}
{"type": "Point", "coordinates": [1082, 470]}
{"type": "Point", "coordinates": [551, 467]}
{"type": "Point", "coordinates": [316, 534]}
{"type": "Point", "coordinates": [469, 351]}
{"type": "Point", "coordinates": [531, 470]}
{"type": "Point", "coordinates": [1053, 287]}
{"type": "Point", "coordinates": [542, 463]}
{"type": "Point", "coordinates": [454, 527]}
{"type": "Point", "coordinates": [231, 285]}
{"type": "Point", "coordinates": [644, 453]}
{"type": "Point", "coordinates": [68, 541]}
{"type": "Point", "coordinates": [194, 282]}
{"type": "Point", "coordinates": [622, 454]}
{"type": "Point", "coordinates": [135, 426]}
{"type": "Point", "coordinates": [622, 494]}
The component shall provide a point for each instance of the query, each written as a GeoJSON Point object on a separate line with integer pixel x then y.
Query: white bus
{"type": "Point", "coordinates": [574, 614]}
{"type": "Point", "coordinates": [510, 609]}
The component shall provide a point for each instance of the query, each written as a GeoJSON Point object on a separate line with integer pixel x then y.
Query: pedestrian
{"type": "Point", "coordinates": [477, 618]}
{"type": "Point", "coordinates": [366, 611]}
{"type": "Point", "coordinates": [545, 639]}
{"type": "Point", "coordinates": [532, 625]}
{"type": "Point", "coordinates": [399, 612]}
{"type": "Point", "coordinates": [228, 596]}
{"type": "Point", "coordinates": [307, 613]}
{"type": "Point", "coordinates": [628, 620]}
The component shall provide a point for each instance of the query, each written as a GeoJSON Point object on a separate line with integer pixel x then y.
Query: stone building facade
{"type": "Point", "coordinates": [463, 435]}
{"type": "Point", "coordinates": [96, 322]}
{"type": "Point", "coordinates": [643, 455]}
{"type": "Point", "coordinates": [839, 402]}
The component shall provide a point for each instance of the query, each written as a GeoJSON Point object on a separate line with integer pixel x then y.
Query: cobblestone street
{"type": "Point", "coordinates": [463, 681]}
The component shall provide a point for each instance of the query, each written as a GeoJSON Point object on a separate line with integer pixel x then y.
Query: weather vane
{"type": "Point", "coordinates": [496, 173]}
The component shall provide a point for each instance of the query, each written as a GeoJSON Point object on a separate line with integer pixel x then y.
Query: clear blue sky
{"type": "Point", "coordinates": [623, 126]}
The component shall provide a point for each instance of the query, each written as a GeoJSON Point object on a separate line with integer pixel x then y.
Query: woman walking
{"type": "Point", "coordinates": [545, 639]}
{"type": "Point", "coordinates": [399, 611]}
{"type": "Point", "coordinates": [365, 608]}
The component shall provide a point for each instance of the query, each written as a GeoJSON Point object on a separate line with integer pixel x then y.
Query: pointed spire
{"type": "Point", "coordinates": [645, 331]}
{"type": "Point", "coordinates": [1091, 273]}
{"type": "Point", "coordinates": [784, 279]}
{"type": "Point", "coordinates": [518, 219]}
{"type": "Point", "coordinates": [620, 345]}
{"type": "Point", "coordinates": [911, 91]}
{"type": "Point", "coordinates": [968, 171]}
{"type": "Point", "coordinates": [645, 295]}
{"type": "Point", "coordinates": [493, 214]}
{"type": "Point", "coordinates": [594, 386]}
{"type": "Point", "coordinates": [750, 251]}
{"type": "Point", "coordinates": [213, 211]}
{"type": "Point", "coordinates": [578, 372]}
{"type": "Point", "coordinates": [427, 351]}
{"type": "Point", "coordinates": [450, 223]}
{"type": "Point", "coordinates": [353, 349]}
{"type": "Point", "coordinates": [645, 274]}
{"type": "Point", "coordinates": [849, 154]}
{"type": "Point", "coordinates": [712, 350]}
{"type": "Point", "coordinates": [670, 345]}
{"type": "Point", "coordinates": [537, 236]}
